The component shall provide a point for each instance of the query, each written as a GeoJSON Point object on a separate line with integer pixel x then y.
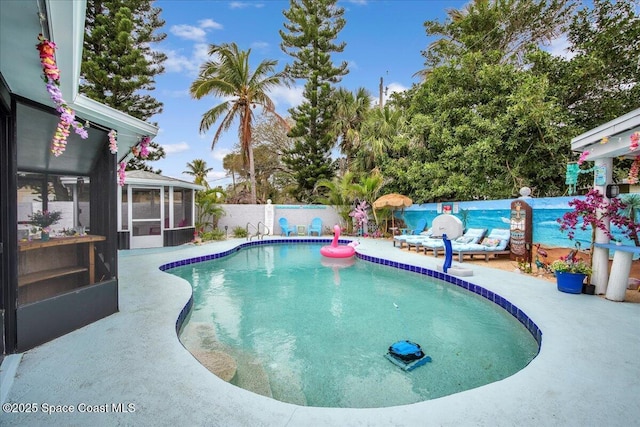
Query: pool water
{"type": "Point", "coordinates": [315, 335]}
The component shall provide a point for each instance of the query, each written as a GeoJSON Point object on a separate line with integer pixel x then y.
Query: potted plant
{"type": "Point", "coordinates": [570, 273]}
{"type": "Point", "coordinates": [43, 220]}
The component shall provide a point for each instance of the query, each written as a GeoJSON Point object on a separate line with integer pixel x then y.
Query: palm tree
{"type": "Point", "coordinates": [378, 132]}
{"type": "Point", "coordinates": [340, 195]}
{"type": "Point", "coordinates": [351, 112]}
{"type": "Point", "coordinates": [631, 209]}
{"type": "Point", "coordinates": [199, 170]}
{"type": "Point", "coordinates": [229, 77]}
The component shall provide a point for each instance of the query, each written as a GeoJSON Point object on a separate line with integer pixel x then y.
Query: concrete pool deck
{"type": "Point", "coordinates": [586, 374]}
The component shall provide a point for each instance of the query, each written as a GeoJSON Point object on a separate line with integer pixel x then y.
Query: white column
{"type": "Point", "coordinates": [269, 214]}
{"type": "Point", "coordinates": [600, 276]}
{"type": "Point", "coordinates": [617, 289]}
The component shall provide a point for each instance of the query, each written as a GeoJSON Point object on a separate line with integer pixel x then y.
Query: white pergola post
{"type": "Point", "coordinates": [600, 263]}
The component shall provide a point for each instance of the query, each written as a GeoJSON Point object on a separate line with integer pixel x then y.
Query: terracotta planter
{"type": "Point", "coordinates": [570, 283]}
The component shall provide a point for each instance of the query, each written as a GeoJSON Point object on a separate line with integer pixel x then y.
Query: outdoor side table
{"type": "Point", "coordinates": [620, 269]}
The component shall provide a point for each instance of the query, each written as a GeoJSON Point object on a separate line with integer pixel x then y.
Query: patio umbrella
{"type": "Point", "coordinates": [393, 201]}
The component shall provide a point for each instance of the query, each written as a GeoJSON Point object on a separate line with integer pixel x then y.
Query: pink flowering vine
{"type": "Point", "coordinates": [141, 150]}
{"type": "Point", "coordinates": [144, 147]}
{"type": "Point", "coordinates": [113, 142]}
{"type": "Point", "coordinates": [67, 115]}
{"type": "Point", "coordinates": [635, 141]}
{"type": "Point", "coordinates": [121, 173]}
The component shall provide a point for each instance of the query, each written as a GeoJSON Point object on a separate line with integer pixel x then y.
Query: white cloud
{"type": "Point", "coordinates": [210, 23]}
{"type": "Point", "coordinates": [175, 148]}
{"type": "Point", "coordinates": [360, 2]}
{"type": "Point", "coordinates": [189, 32]}
{"type": "Point", "coordinates": [287, 97]}
{"type": "Point", "coordinates": [220, 153]}
{"type": "Point", "coordinates": [259, 45]}
{"type": "Point", "coordinates": [177, 62]}
{"type": "Point", "coordinates": [245, 4]}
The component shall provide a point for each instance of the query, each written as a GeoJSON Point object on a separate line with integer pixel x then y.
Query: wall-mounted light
{"type": "Point", "coordinates": [612, 190]}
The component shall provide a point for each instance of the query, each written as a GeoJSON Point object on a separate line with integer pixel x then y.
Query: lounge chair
{"type": "Point", "coordinates": [471, 236]}
{"type": "Point", "coordinates": [409, 233]}
{"type": "Point", "coordinates": [315, 227]}
{"type": "Point", "coordinates": [496, 243]}
{"type": "Point", "coordinates": [286, 229]}
{"type": "Point", "coordinates": [416, 240]}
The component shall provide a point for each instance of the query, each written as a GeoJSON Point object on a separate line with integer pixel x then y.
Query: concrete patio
{"type": "Point", "coordinates": [586, 374]}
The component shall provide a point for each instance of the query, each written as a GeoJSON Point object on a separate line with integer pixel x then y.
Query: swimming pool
{"type": "Point", "coordinates": [321, 343]}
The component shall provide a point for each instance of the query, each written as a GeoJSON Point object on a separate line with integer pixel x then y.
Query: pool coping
{"type": "Point", "coordinates": [585, 373]}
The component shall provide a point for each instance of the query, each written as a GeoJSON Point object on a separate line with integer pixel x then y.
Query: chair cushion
{"type": "Point", "coordinates": [490, 242]}
{"type": "Point", "coordinates": [500, 233]}
{"type": "Point", "coordinates": [464, 239]}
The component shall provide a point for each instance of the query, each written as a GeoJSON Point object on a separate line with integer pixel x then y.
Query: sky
{"type": "Point", "coordinates": [384, 39]}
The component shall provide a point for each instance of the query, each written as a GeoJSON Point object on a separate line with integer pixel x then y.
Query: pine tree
{"type": "Point", "coordinates": [118, 64]}
{"type": "Point", "coordinates": [312, 28]}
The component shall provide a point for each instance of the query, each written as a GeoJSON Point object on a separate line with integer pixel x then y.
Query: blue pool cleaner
{"type": "Point", "coordinates": [406, 354]}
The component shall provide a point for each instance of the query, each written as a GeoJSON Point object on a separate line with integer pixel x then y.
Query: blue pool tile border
{"type": "Point", "coordinates": [512, 309]}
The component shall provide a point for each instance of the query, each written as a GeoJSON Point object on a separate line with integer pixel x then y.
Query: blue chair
{"type": "Point", "coordinates": [284, 225]}
{"type": "Point", "coordinates": [315, 227]}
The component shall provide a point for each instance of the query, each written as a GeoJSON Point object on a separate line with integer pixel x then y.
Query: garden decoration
{"type": "Point", "coordinates": [570, 273]}
{"type": "Point", "coordinates": [43, 220]}
{"type": "Point", "coordinates": [393, 201]}
{"type": "Point", "coordinates": [573, 172]}
{"type": "Point", "coordinates": [52, 79]}
{"type": "Point", "coordinates": [361, 216]}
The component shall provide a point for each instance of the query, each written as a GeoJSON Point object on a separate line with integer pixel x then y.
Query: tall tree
{"type": "Point", "coordinates": [198, 169]}
{"type": "Point", "coordinates": [229, 76]}
{"type": "Point", "coordinates": [351, 112]}
{"type": "Point", "coordinates": [510, 27]}
{"type": "Point", "coordinates": [600, 80]}
{"type": "Point", "coordinates": [312, 27]}
{"type": "Point", "coordinates": [118, 64]}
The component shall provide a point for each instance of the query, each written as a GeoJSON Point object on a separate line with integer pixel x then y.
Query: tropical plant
{"type": "Point", "coordinates": [208, 209]}
{"type": "Point", "coordinates": [45, 219]}
{"type": "Point", "coordinates": [570, 265]}
{"type": "Point", "coordinates": [351, 111]}
{"type": "Point", "coordinates": [240, 232]}
{"type": "Point", "coordinates": [339, 194]}
{"type": "Point", "coordinates": [199, 170]}
{"type": "Point", "coordinates": [229, 76]}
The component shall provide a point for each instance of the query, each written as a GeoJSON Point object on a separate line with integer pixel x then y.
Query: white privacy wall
{"type": "Point", "coordinates": [240, 215]}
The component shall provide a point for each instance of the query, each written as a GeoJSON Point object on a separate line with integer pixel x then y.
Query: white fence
{"type": "Point", "coordinates": [241, 215]}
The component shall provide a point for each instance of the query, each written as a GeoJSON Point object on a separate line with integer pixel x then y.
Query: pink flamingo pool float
{"type": "Point", "coordinates": [337, 251]}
